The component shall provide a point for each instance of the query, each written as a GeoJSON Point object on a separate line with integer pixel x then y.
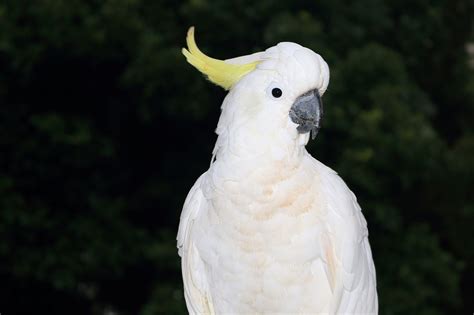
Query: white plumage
{"type": "Point", "coordinates": [268, 229]}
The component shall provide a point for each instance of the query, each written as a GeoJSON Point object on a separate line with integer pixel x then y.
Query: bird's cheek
{"type": "Point", "coordinates": [248, 105]}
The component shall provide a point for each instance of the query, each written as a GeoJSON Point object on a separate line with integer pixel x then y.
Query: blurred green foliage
{"type": "Point", "coordinates": [104, 128]}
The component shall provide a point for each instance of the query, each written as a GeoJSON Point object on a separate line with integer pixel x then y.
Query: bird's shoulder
{"type": "Point", "coordinates": [339, 199]}
{"type": "Point", "coordinates": [190, 210]}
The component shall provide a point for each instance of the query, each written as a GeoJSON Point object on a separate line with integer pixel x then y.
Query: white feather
{"type": "Point", "coordinates": [268, 229]}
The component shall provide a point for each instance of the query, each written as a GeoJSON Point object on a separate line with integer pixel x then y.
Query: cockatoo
{"type": "Point", "coordinates": [268, 229]}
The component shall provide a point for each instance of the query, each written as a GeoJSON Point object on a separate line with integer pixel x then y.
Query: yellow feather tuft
{"type": "Point", "coordinates": [217, 71]}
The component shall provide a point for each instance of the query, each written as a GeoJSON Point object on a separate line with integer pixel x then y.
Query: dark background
{"type": "Point", "coordinates": [104, 127]}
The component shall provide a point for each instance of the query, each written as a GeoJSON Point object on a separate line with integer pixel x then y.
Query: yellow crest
{"type": "Point", "coordinates": [217, 71]}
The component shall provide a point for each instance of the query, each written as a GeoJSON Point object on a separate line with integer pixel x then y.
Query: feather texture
{"type": "Point", "coordinates": [220, 72]}
{"type": "Point", "coordinates": [301, 247]}
{"type": "Point", "coordinates": [268, 229]}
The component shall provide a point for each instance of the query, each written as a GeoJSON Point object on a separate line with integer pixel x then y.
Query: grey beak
{"type": "Point", "coordinates": [307, 111]}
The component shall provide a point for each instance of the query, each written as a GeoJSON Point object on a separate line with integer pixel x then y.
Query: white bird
{"type": "Point", "coordinates": [268, 229]}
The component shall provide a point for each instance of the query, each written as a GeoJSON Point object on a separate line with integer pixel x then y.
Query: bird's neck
{"type": "Point", "coordinates": [248, 131]}
{"type": "Point", "coordinates": [246, 142]}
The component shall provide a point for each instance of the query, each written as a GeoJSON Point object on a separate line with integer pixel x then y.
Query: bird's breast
{"type": "Point", "coordinates": [260, 236]}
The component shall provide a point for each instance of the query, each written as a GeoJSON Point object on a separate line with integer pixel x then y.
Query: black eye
{"type": "Point", "coordinates": [276, 92]}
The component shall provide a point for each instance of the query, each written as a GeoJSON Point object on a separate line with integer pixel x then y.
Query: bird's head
{"type": "Point", "coordinates": [274, 90]}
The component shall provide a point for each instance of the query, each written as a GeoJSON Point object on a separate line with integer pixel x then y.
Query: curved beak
{"type": "Point", "coordinates": [307, 112]}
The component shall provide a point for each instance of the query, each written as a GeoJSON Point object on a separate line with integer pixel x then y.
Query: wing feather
{"type": "Point", "coordinates": [196, 288]}
{"type": "Point", "coordinates": [355, 288]}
